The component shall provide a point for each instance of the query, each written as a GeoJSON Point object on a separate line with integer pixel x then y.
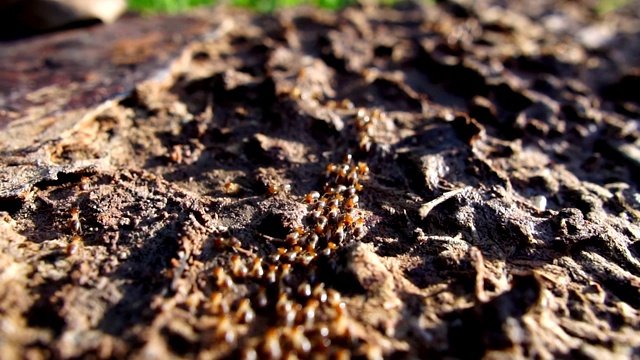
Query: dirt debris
{"type": "Point", "coordinates": [414, 181]}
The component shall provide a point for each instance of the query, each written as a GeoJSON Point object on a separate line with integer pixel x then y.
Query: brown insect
{"type": "Point", "coordinates": [74, 222]}
{"type": "Point", "coordinates": [74, 245]}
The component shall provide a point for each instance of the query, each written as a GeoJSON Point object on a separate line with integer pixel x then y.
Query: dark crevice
{"type": "Point", "coordinates": [11, 205]}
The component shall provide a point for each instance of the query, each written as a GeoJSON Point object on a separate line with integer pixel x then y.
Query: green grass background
{"type": "Point", "coordinates": [174, 6]}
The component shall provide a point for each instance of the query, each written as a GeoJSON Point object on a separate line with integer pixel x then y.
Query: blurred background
{"type": "Point", "coordinates": [20, 18]}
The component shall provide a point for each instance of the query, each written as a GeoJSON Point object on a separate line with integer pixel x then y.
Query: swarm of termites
{"type": "Point", "coordinates": [305, 318]}
{"type": "Point", "coordinates": [365, 121]}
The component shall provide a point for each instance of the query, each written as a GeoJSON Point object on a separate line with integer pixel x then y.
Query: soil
{"type": "Point", "coordinates": [157, 195]}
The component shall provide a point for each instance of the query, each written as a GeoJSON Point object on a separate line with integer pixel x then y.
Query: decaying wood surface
{"type": "Point", "coordinates": [158, 176]}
